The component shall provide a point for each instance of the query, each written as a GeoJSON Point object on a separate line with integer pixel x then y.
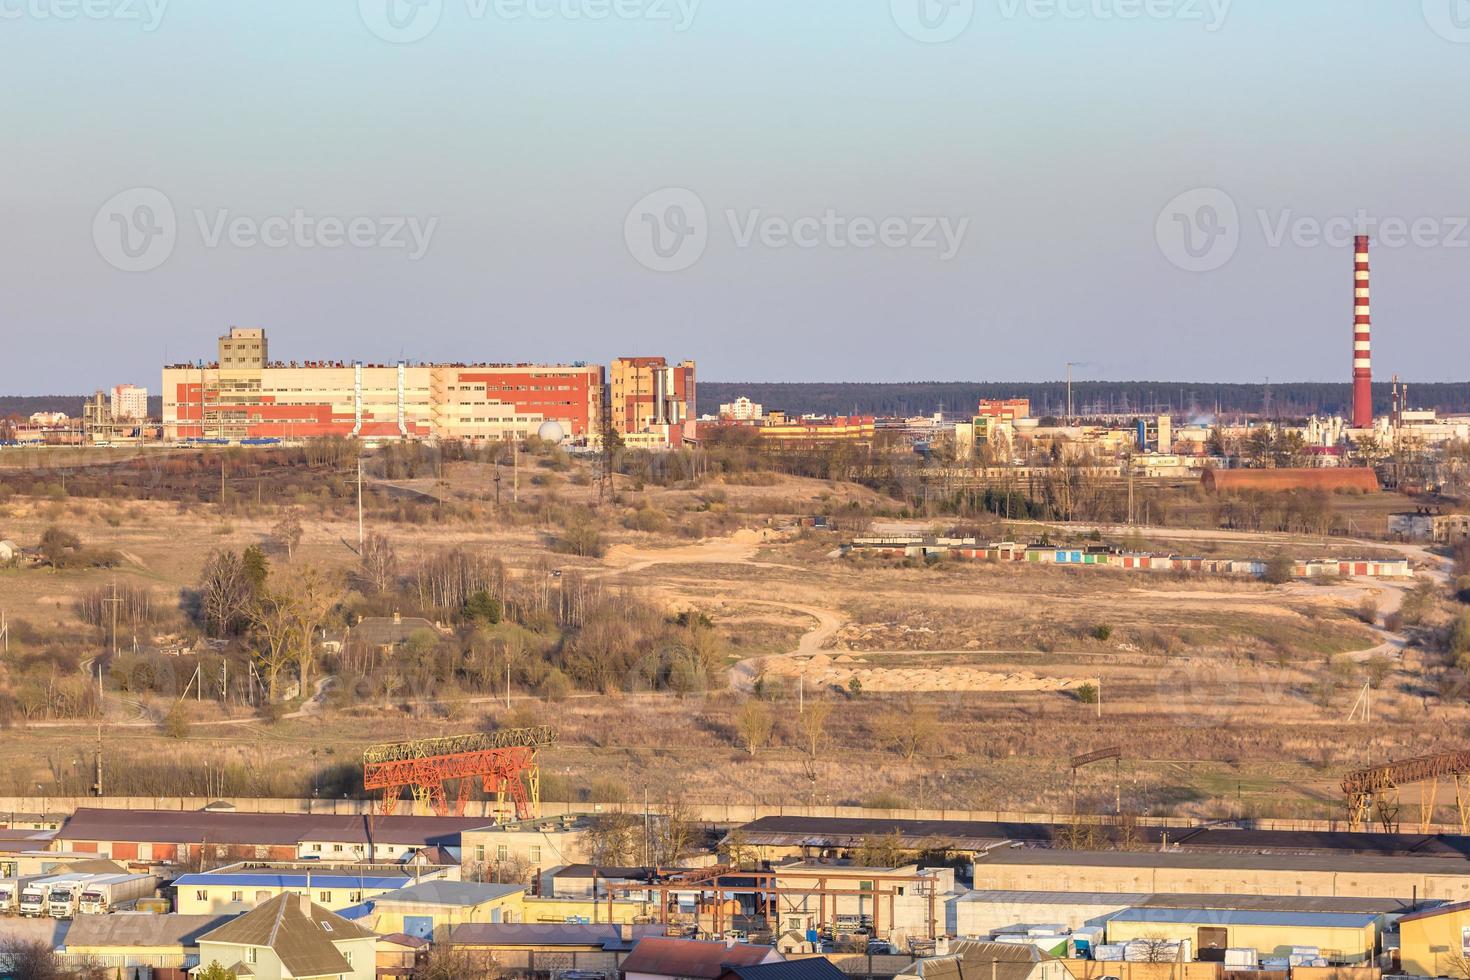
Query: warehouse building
{"type": "Point", "coordinates": [430, 909]}
{"type": "Point", "coordinates": [1435, 942]}
{"type": "Point", "coordinates": [190, 836]}
{"type": "Point", "coordinates": [1339, 875]}
{"type": "Point", "coordinates": [242, 887]}
{"type": "Point", "coordinates": [783, 837]}
{"type": "Point", "coordinates": [986, 913]}
{"type": "Point", "coordinates": [1342, 938]}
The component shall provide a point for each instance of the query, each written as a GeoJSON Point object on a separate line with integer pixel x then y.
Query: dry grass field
{"type": "Point", "coordinates": [975, 683]}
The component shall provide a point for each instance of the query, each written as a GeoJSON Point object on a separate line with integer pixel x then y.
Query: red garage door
{"type": "Point", "coordinates": [125, 851]}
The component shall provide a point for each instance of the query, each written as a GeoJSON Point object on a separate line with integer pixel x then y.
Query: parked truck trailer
{"type": "Point", "coordinates": [111, 893]}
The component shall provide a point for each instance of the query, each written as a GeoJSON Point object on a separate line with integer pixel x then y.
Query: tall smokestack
{"type": "Point", "coordinates": [1362, 339]}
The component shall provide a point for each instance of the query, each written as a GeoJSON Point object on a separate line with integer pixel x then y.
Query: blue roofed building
{"type": "Point", "coordinates": [242, 887]}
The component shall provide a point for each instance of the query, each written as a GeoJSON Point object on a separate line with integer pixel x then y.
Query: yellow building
{"type": "Point", "coordinates": [429, 910]}
{"type": "Point", "coordinates": [647, 395]}
{"type": "Point", "coordinates": [1342, 937]}
{"type": "Point", "coordinates": [1435, 943]}
{"type": "Point", "coordinates": [1337, 875]}
{"type": "Point", "coordinates": [546, 843]}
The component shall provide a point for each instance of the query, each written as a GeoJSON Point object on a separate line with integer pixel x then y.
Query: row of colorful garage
{"type": "Point", "coordinates": [972, 550]}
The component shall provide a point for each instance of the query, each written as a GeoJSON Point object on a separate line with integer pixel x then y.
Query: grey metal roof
{"type": "Point", "coordinates": [455, 893]}
{"type": "Point", "coordinates": [1166, 900]}
{"type": "Point", "coordinates": [140, 929]}
{"type": "Point", "coordinates": [1000, 897]}
{"type": "Point", "coordinates": [1234, 917]}
{"type": "Point", "coordinates": [1014, 857]}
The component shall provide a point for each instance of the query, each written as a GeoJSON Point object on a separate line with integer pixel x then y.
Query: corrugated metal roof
{"type": "Point", "coordinates": [456, 893]}
{"type": "Point", "coordinates": [273, 879]}
{"type": "Point", "coordinates": [1236, 917]}
{"type": "Point", "coordinates": [1225, 862]}
{"type": "Point", "coordinates": [977, 835]}
{"type": "Point", "coordinates": [810, 968]}
{"type": "Point", "coordinates": [999, 897]}
{"type": "Point", "coordinates": [124, 929]}
{"type": "Point", "coordinates": [691, 957]}
{"type": "Point", "coordinates": [547, 935]}
{"type": "Point", "coordinates": [263, 829]}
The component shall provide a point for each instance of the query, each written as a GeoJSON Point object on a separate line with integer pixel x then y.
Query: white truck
{"type": "Point", "coordinates": [33, 895]}
{"type": "Point", "coordinates": [110, 893]}
{"type": "Point", "coordinates": [61, 897]}
{"type": "Point", "coordinates": [10, 889]}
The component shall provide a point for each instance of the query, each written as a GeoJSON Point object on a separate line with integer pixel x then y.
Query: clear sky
{"type": "Point", "coordinates": [785, 190]}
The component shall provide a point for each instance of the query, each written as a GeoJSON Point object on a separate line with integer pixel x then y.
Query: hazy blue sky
{"type": "Point", "coordinates": [520, 136]}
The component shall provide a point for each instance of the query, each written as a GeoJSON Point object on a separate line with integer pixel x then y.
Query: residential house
{"type": "Point", "coordinates": [289, 938]}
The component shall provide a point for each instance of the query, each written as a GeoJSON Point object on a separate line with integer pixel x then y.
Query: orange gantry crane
{"type": "Point", "coordinates": [503, 761]}
{"type": "Point", "coordinates": [1377, 789]}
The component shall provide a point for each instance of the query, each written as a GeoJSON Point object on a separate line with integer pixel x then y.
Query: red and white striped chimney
{"type": "Point", "coordinates": [1362, 339]}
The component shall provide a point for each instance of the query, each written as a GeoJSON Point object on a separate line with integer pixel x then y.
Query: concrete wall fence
{"type": "Point", "coordinates": [13, 807]}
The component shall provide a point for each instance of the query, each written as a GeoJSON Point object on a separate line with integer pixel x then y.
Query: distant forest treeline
{"type": "Point", "coordinates": [1289, 400]}
{"type": "Point", "coordinates": [25, 406]}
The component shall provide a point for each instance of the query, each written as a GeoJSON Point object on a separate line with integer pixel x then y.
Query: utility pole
{"type": "Point", "coordinates": [515, 472]}
{"type": "Point", "coordinates": [98, 787]}
{"type": "Point", "coordinates": [359, 506]}
{"type": "Point", "coordinates": [1070, 413]}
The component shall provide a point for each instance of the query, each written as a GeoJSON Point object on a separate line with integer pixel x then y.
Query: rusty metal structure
{"type": "Point", "coordinates": [787, 891]}
{"type": "Point", "coordinates": [503, 761]}
{"type": "Point", "coordinates": [1376, 790]}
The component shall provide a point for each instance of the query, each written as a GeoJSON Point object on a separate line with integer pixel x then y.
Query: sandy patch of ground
{"type": "Point", "coordinates": [822, 670]}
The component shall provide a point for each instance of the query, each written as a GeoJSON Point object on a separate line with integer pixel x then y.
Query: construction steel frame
{"type": "Point", "coordinates": [715, 881]}
{"type": "Point", "coordinates": [503, 761]}
{"type": "Point", "coordinates": [1377, 790]}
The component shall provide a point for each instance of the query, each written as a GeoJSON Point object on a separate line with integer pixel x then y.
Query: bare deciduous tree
{"type": "Point", "coordinates": [754, 725]}
{"type": "Point", "coordinates": [287, 533]}
{"type": "Point", "coordinates": [224, 593]}
{"type": "Point", "coordinates": [911, 728]}
{"type": "Point", "coordinates": [273, 622]}
{"type": "Point", "coordinates": [377, 568]}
